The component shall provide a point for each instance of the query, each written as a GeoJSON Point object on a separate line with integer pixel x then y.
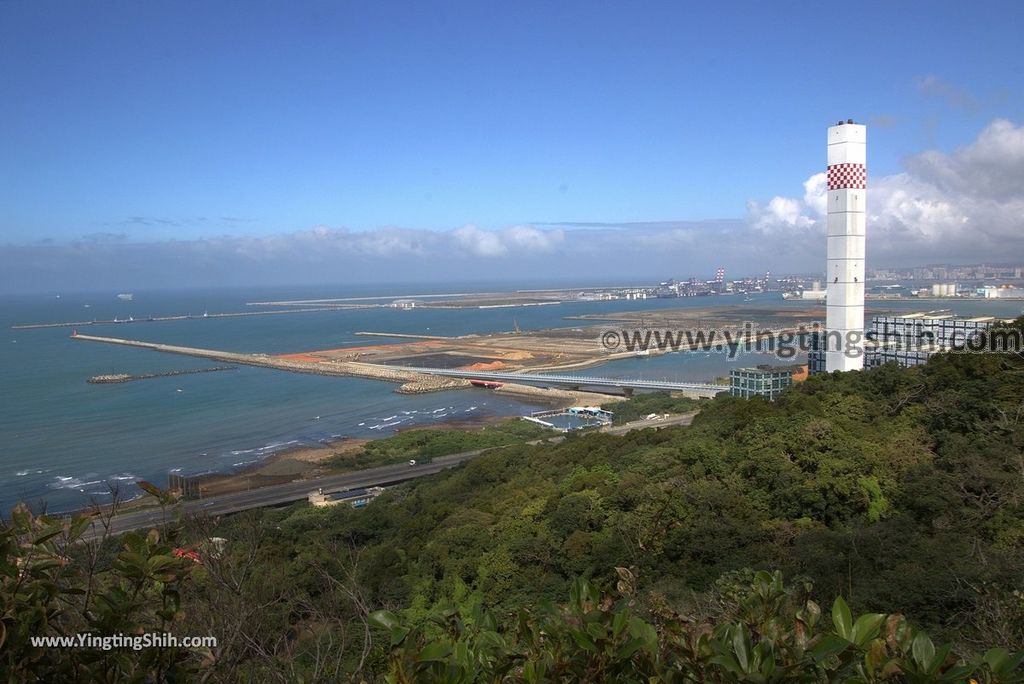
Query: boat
{"type": "Point", "coordinates": [486, 384]}
{"type": "Point", "coordinates": [126, 296]}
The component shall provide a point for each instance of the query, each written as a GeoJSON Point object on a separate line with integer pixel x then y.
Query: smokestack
{"type": "Point", "coordinates": [847, 198]}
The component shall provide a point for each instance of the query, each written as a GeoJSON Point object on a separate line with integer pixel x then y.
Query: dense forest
{"type": "Point", "coordinates": [699, 553]}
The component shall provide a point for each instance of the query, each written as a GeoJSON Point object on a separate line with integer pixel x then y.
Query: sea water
{"type": "Point", "coordinates": [66, 443]}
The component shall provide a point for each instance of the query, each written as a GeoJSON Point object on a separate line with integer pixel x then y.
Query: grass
{"type": "Point", "coordinates": [642, 405]}
{"type": "Point", "coordinates": [427, 443]}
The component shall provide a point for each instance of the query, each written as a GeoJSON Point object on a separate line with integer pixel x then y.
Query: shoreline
{"type": "Point", "coordinates": [306, 462]}
{"type": "Point", "coordinates": [303, 462]}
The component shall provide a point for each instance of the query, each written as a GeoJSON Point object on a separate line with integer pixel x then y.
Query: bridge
{"type": "Point", "coordinates": [693, 389]}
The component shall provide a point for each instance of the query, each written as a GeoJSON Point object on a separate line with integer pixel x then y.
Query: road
{"type": "Point", "coordinates": [696, 389]}
{"type": "Point", "coordinates": [295, 491]}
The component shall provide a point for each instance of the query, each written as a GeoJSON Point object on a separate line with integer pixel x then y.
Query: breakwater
{"type": "Point", "coordinates": [187, 317]}
{"type": "Point", "coordinates": [410, 382]}
{"type": "Point", "coordinates": [125, 377]}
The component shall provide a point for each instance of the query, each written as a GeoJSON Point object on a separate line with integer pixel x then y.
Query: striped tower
{"type": "Point", "coordinates": [847, 196]}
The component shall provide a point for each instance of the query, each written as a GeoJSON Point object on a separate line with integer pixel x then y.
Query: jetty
{"type": "Point", "coordinates": [114, 378]}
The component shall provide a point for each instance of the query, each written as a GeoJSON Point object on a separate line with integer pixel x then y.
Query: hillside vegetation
{"type": "Point", "coordinates": [897, 492]}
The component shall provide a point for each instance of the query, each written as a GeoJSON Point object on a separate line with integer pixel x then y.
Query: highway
{"type": "Point", "coordinates": [280, 494]}
{"type": "Point", "coordinates": [699, 388]}
{"type": "Point", "coordinates": [276, 495]}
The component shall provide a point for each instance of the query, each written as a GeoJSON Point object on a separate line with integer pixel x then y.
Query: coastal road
{"type": "Point", "coordinates": [279, 494]}
{"type": "Point", "coordinates": [275, 495]}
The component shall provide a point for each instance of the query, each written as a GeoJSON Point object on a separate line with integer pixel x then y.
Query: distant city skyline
{"type": "Point", "coordinates": [151, 145]}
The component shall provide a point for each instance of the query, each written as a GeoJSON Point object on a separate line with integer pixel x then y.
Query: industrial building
{"type": "Point", "coordinates": [762, 381]}
{"type": "Point", "coordinates": [910, 340]}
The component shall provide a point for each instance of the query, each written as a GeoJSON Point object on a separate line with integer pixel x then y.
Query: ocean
{"type": "Point", "coordinates": [66, 442]}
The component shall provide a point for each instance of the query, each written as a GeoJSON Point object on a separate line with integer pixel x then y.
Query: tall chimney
{"type": "Point", "coordinates": [847, 197]}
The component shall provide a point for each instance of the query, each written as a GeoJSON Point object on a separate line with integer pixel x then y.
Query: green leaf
{"type": "Point", "coordinates": [628, 649]}
{"type": "Point", "coordinates": [641, 630]}
{"type": "Point", "coordinates": [995, 658]}
{"type": "Point", "coordinates": [727, 662]}
{"type": "Point", "coordinates": [398, 635]}
{"type": "Point", "coordinates": [385, 619]}
{"type": "Point", "coordinates": [923, 650]}
{"type": "Point", "coordinates": [866, 628]}
{"type": "Point", "coordinates": [939, 659]}
{"type": "Point", "coordinates": [830, 645]}
{"type": "Point", "coordinates": [583, 640]}
{"type": "Point", "coordinates": [841, 618]}
{"type": "Point", "coordinates": [810, 613]}
{"type": "Point", "coordinates": [78, 526]}
{"type": "Point", "coordinates": [435, 652]}
{"type": "Point", "coordinates": [47, 535]}
{"type": "Point", "coordinates": [741, 647]}
{"type": "Point", "coordinates": [44, 564]}
{"type": "Point", "coordinates": [619, 623]}
{"type": "Point", "coordinates": [1011, 665]}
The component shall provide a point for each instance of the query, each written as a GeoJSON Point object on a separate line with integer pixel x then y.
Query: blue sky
{"type": "Point", "coordinates": [149, 122]}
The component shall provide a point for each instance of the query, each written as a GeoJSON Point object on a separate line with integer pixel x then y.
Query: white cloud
{"type": "Point", "coordinates": [479, 242]}
{"type": "Point", "coordinates": [816, 193]}
{"type": "Point", "coordinates": [965, 205]}
{"type": "Point", "coordinates": [781, 216]}
{"type": "Point", "coordinates": [992, 166]}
